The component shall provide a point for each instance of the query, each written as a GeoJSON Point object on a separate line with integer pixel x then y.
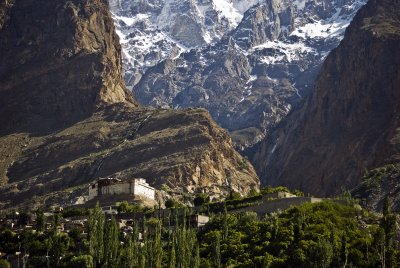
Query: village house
{"type": "Point", "coordinates": [114, 186]}
{"type": "Point", "coordinates": [198, 221]}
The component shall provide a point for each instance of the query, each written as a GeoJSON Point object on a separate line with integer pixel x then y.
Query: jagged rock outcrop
{"type": "Point", "coordinates": [155, 30]}
{"type": "Point", "coordinates": [250, 78]}
{"type": "Point", "coordinates": [67, 118]}
{"type": "Point", "coordinates": [351, 121]}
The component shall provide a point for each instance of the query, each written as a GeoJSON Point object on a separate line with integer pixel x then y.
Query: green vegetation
{"type": "Point", "coordinates": [171, 203]}
{"type": "Point", "coordinates": [74, 212]}
{"type": "Point", "coordinates": [373, 179]}
{"type": "Point", "coordinates": [308, 235]}
{"type": "Point", "coordinates": [325, 234]}
{"type": "Point", "coordinates": [201, 199]}
{"type": "Point", "coordinates": [378, 183]}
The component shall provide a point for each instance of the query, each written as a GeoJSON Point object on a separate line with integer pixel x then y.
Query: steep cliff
{"type": "Point", "coordinates": [59, 58]}
{"type": "Point", "coordinates": [67, 119]}
{"type": "Point", "coordinates": [351, 121]}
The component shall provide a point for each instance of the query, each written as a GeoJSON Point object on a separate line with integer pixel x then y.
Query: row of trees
{"type": "Point", "coordinates": [153, 243]}
{"type": "Point", "coordinates": [322, 235]}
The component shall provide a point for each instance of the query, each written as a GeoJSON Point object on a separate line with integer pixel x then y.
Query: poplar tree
{"type": "Point", "coordinates": [144, 254]}
{"type": "Point", "coordinates": [96, 234]}
{"type": "Point", "coordinates": [129, 257]}
{"type": "Point", "coordinates": [40, 220]}
{"type": "Point", "coordinates": [217, 251]}
{"type": "Point", "coordinates": [111, 244]}
{"type": "Point", "coordinates": [225, 223]}
{"type": "Point", "coordinates": [172, 256]}
{"type": "Point", "coordinates": [196, 259]}
{"type": "Point", "coordinates": [155, 245]}
{"type": "Point", "coordinates": [136, 244]}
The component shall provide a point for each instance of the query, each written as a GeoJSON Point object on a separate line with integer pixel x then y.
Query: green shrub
{"type": "Point", "coordinates": [171, 203]}
{"type": "Point", "coordinates": [83, 261]}
{"type": "Point", "coordinates": [201, 199]}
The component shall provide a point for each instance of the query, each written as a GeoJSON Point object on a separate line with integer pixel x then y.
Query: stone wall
{"type": "Point", "coordinates": [278, 204]}
{"type": "Point", "coordinates": [278, 195]}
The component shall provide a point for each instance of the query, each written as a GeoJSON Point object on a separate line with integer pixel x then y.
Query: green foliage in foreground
{"type": "Point", "coordinates": [307, 236]}
{"type": "Point", "coordinates": [312, 235]}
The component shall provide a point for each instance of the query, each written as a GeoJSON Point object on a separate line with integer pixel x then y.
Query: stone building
{"type": "Point", "coordinates": [114, 186]}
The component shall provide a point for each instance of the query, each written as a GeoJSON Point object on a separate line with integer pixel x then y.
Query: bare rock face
{"type": "Point", "coordinates": [67, 118]}
{"type": "Point", "coordinates": [59, 58]}
{"type": "Point", "coordinates": [351, 122]}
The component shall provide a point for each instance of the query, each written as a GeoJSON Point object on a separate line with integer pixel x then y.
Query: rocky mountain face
{"type": "Point", "coordinates": [62, 64]}
{"type": "Point", "coordinates": [351, 122]}
{"type": "Point", "coordinates": [247, 74]}
{"type": "Point", "coordinates": [68, 119]}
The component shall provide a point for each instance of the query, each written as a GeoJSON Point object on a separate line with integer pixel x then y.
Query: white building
{"type": "Point", "coordinates": [113, 186]}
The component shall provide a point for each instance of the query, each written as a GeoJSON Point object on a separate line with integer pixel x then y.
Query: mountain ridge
{"type": "Point", "coordinates": [351, 121]}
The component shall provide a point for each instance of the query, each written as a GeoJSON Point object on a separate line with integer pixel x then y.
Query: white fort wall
{"type": "Point", "coordinates": [144, 190]}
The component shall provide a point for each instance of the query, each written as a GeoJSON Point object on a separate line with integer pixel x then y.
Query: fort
{"type": "Point", "coordinates": [114, 186]}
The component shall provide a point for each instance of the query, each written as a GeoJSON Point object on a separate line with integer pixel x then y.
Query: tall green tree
{"type": "Point", "coordinates": [321, 254]}
{"type": "Point", "coordinates": [40, 220]}
{"type": "Point", "coordinates": [217, 251]}
{"type": "Point", "coordinates": [344, 252]}
{"type": "Point", "coordinates": [196, 258]}
{"type": "Point", "coordinates": [172, 256]}
{"type": "Point", "coordinates": [225, 223]}
{"type": "Point", "coordinates": [61, 245]}
{"type": "Point", "coordinates": [388, 224]}
{"type": "Point", "coordinates": [96, 223]}
{"type": "Point", "coordinates": [111, 244]}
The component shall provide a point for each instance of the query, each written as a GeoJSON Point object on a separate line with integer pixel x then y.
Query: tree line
{"type": "Point", "coordinates": [322, 235]}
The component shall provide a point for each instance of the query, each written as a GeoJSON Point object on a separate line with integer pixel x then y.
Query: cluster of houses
{"type": "Point", "coordinates": [125, 221]}
{"type": "Point", "coordinates": [101, 188]}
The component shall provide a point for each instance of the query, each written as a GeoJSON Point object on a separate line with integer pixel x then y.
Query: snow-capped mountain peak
{"type": "Point", "coordinates": [246, 61]}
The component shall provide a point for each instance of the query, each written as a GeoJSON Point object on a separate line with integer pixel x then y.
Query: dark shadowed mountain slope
{"type": "Point", "coordinates": [351, 121]}
{"type": "Point", "coordinates": [67, 119]}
